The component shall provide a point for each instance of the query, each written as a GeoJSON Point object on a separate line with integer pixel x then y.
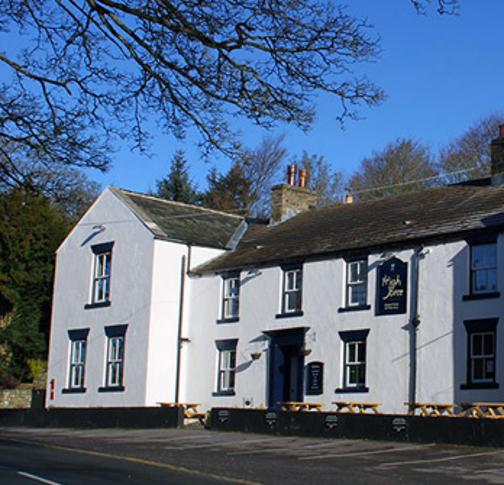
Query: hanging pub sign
{"type": "Point", "coordinates": [314, 378]}
{"type": "Point", "coordinates": [392, 292]}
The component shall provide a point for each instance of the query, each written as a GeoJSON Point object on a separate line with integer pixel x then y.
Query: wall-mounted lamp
{"type": "Point", "coordinates": [255, 355]}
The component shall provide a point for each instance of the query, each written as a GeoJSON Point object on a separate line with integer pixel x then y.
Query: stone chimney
{"type": "Point", "coordinates": [290, 199]}
{"type": "Point", "coordinates": [497, 157]}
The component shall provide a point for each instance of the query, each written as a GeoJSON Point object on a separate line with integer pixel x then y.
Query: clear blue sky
{"type": "Point", "coordinates": [440, 73]}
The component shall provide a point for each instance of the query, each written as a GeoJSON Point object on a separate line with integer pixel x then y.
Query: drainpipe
{"type": "Point", "coordinates": [413, 325]}
{"type": "Point", "coordinates": [180, 340]}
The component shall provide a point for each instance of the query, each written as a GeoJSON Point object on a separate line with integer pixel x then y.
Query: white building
{"type": "Point", "coordinates": [392, 301]}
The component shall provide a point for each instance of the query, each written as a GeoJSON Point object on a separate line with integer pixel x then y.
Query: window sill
{"type": "Point", "coordinates": [223, 393]}
{"type": "Point", "coordinates": [73, 390]}
{"type": "Point", "coordinates": [351, 390]}
{"type": "Point", "coordinates": [481, 296]}
{"type": "Point", "coordinates": [355, 308]}
{"type": "Point", "coordinates": [111, 389]}
{"type": "Point", "coordinates": [229, 320]}
{"type": "Point", "coordinates": [298, 313]}
{"type": "Point", "coordinates": [480, 385]}
{"type": "Point", "coordinates": [101, 304]}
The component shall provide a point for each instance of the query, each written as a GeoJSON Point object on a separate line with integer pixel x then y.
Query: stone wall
{"type": "Point", "coordinates": [16, 398]}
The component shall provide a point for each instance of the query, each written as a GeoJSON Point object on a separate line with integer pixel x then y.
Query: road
{"type": "Point", "coordinates": [198, 456]}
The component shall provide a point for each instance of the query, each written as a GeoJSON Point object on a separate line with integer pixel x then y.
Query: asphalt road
{"type": "Point", "coordinates": [198, 456]}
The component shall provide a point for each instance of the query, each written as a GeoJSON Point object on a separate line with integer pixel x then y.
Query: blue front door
{"type": "Point", "coordinates": [286, 364]}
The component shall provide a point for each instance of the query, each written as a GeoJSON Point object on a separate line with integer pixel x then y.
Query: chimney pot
{"type": "Point", "coordinates": [291, 174]}
{"type": "Point", "coordinates": [302, 177]}
{"type": "Point", "coordinates": [501, 131]}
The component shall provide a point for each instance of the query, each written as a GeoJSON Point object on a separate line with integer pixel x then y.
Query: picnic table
{"type": "Point", "coordinates": [482, 410]}
{"type": "Point", "coordinates": [433, 409]}
{"type": "Point", "coordinates": [301, 406]}
{"type": "Point", "coordinates": [191, 409]}
{"type": "Point", "coordinates": [356, 407]}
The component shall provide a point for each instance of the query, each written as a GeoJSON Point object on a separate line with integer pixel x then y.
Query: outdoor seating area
{"type": "Point", "coordinates": [357, 407]}
{"type": "Point", "coordinates": [191, 409]}
{"type": "Point", "coordinates": [301, 406]}
{"type": "Point", "coordinates": [462, 410]}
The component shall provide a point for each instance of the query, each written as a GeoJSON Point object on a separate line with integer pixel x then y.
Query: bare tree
{"type": "Point", "coordinates": [468, 156]}
{"type": "Point", "coordinates": [403, 166]}
{"type": "Point", "coordinates": [262, 167]}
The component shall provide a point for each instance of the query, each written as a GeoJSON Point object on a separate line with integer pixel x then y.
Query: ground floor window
{"type": "Point", "coordinates": [77, 359]}
{"type": "Point", "coordinates": [354, 360]}
{"type": "Point", "coordinates": [115, 358]}
{"type": "Point", "coordinates": [481, 352]}
{"type": "Point", "coordinates": [226, 366]}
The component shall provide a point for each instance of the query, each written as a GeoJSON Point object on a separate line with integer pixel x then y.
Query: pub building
{"type": "Point", "coordinates": [392, 301]}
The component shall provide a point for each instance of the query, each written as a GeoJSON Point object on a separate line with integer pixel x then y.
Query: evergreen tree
{"type": "Point", "coordinates": [177, 184]}
{"type": "Point", "coordinates": [228, 192]}
{"type": "Point", "coordinates": [30, 231]}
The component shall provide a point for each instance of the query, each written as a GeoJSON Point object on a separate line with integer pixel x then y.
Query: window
{"type": "Point", "coordinates": [230, 297]}
{"type": "Point", "coordinates": [226, 366]}
{"type": "Point", "coordinates": [356, 284]}
{"type": "Point", "coordinates": [483, 268]}
{"type": "Point", "coordinates": [100, 291]}
{"type": "Point", "coordinates": [114, 367]}
{"type": "Point", "coordinates": [292, 289]}
{"type": "Point", "coordinates": [354, 361]}
{"type": "Point", "coordinates": [77, 360]}
{"type": "Point", "coordinates": [481, 358]}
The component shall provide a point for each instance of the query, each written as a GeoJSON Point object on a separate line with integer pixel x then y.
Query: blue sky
{"type": "Point", "coordinates": [440, 74]}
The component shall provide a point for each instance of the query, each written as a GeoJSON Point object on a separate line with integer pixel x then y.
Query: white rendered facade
{"type": "Point", "coordinates": [146, 280]}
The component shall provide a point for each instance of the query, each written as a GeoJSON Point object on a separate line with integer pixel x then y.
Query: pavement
{"type": "Point", "coordinates": [199, 456]}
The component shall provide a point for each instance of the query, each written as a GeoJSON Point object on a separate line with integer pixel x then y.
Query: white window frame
{"type": "Point", "coordinates": [485, 357]}
{"type": "Point", "coordinates": [349, 364]}
{"type": "Point", "coordinates": [487, 269]}
{"type": "Point", "coordinates": [102, 294]}
{"type": "Point", "coordinates": [77, 367]}
{"type": "Point", "coordinates": [230, 297]}
{"type": "Point", "coordinates": [115, 361]}
{"type": "Point", "coordinates": [358, 283]}
{"type": "Point", "coordinates": [226, 377]}
{"type": "Point", "coordinates": [295, 288]}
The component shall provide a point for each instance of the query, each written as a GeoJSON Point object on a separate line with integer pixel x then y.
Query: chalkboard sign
{"type": "Point", "coordinates": [314, 378]}
{"type": "Point", "coordinates": [392, 283]}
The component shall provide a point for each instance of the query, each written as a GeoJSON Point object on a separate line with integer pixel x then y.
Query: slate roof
{"type": "Point", "coordinates": [178, 222]}
{"type": "Point", "coordinates": [344, 228]}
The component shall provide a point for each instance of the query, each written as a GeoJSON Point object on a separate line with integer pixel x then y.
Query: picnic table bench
{"type": "Point", "coordinates": [190, 409]}
{"type": "Point", "coordinates": [433, 409]}
{"type": "Point", "coordinates": [301, 406]}
{"type": "Point", "coordinates": [482, 410]}
{"type": "Point", "coordinates": [356, 407]}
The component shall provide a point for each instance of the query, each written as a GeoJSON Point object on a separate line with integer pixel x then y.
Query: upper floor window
{"type": "Point", "coordinates": [77, 360]}
{"type": "Point", "coordinates": [230, 297]}
{"type": "Point", "coordinates": [292, 290]}
{"type": "Point", "coordinates": [114, 365]}
{"type": "Point", "coordinates": [356, 283]}
{"type": "Point", "coordinates": [483, 268]}
{"type": "Point", "coordinates": [102, 266]}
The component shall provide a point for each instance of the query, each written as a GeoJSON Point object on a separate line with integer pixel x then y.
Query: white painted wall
{"type": "Point", "coordinates": [441, 336]}
{"type": "Point", "coordinates": [131, 278]}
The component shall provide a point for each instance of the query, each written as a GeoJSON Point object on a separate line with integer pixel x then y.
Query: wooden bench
{"type": "Point", "coordinates": [301, 406]}
{"type": "Point", "coordinates": [433, 409]}
{"type": "Point", "coordinates": [491, 410]}
{"type": "Point", "coordinates": [190, 409]}
{"type": "Point", "coordinates": [356, 407]}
